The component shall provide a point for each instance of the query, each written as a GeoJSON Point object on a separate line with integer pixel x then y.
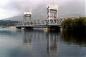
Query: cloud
{"type": "Point", "coordinates": [4, 3]}
{"type": "Point", "coordinates": [72, 8]}
{"type": "Point", "coordinates": [9, 8]}
{"type": "Point", "coordinates": [4, 13]}
{"type": "Point", "coordinates": [67, 8]}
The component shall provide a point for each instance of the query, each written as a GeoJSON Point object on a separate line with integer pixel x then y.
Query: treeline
{"type": "Point", "coordinates": [74, 31]}
{"type": "Point", "coordinates": [7, 23]}
{"type": "Point", "coordinates": [74, 24]}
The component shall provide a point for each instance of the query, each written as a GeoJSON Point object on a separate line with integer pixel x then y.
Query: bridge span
{"type": "Point", "coordinates": [51, 22]}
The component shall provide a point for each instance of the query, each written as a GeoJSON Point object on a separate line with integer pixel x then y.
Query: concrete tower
{"type": "Point", "coordinates": [27, 18]}
{"type": "Point", "coordinates": [52, 10]}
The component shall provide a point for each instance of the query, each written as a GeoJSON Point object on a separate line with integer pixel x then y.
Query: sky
{"type": "Point", "coordinates": [10, 8]}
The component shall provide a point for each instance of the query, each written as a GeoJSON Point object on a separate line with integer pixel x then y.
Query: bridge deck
{"type": "Point", "coordinates": [41, 23]}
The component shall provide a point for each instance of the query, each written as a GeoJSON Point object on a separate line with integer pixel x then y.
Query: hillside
{"type": "Point", "coordinates": [7, 22]}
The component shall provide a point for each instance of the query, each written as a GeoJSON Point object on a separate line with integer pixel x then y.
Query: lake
{"type": "Point", "coordinates": [37, 43]}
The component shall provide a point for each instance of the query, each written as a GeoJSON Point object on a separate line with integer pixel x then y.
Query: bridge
{"type": "Point", "coordinates": [51, 22]}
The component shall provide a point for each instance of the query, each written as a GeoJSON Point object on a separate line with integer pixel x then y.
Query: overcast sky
{"type": "Point", "coordinates": [10, 8]}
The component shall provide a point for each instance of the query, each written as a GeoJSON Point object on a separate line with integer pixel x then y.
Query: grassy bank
{"type": "Point", "coordinates": [74, 24]}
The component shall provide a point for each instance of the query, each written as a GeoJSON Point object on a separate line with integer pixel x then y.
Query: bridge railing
{"type": "Point", "coordinates": [42, 22]}
{"type": "Point", "coordinates": [48, 22]}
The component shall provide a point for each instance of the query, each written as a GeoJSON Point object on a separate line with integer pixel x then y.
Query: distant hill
{"type": "Point", "coordinates": [15, 18]}
{"type": "Point", "coordinates": [7, 23]}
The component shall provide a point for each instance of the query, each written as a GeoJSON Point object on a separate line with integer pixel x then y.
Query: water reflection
{"type": "Point", "coordinates": [78, 38]}
{"type": "Point", "coordinates": [43, 44]}
{"type": "Point", "coordinates": [52, 44]}
{"type": "Point", "coordinates": [27, 37]}
{"type": "Point", "coordinates": [37, 43]}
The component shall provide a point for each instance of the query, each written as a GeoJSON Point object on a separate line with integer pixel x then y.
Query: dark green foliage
{"type": "Point", "coordinates": [67, 23]}
{"type": "Point", "coordinates": [74, 24]}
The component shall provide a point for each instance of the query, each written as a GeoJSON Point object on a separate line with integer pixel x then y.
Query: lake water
{"type": "Point", "coordinates": [36, 43]}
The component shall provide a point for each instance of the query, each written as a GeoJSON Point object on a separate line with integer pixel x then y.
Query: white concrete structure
{"type": "Point", "coordinates": [27, 18]}
{"type": "Point", "coordinates": [52, 11]}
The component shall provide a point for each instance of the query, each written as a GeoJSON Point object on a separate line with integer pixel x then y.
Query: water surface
{"type": "Point", "coordinates": [36, 43]}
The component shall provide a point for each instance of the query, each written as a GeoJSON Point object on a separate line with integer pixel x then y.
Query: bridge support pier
{"type": "Point", "coordinates": [52, 28]}
{"type": "Point", "coordinates": [18, 27]}
{"type": "Point", "coordinates": [25, 28]}
{"type": "Point", "coordinates": [28, 28]}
